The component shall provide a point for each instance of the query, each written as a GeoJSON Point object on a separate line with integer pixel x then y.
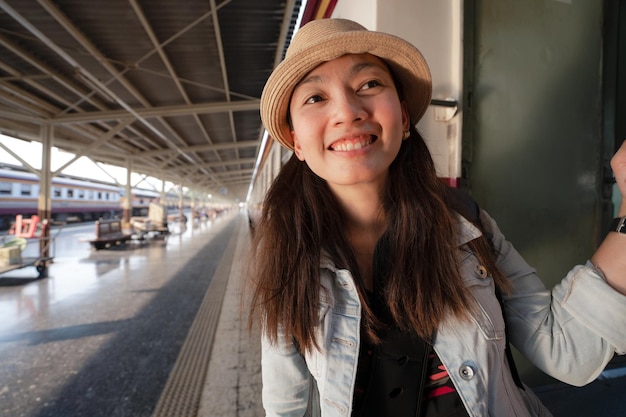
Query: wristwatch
{"type": "Point", "coordinates": [618, 225]}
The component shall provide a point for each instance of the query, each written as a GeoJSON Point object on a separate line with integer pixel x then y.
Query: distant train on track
{"type": "Point", "coordinates": [73, 199]}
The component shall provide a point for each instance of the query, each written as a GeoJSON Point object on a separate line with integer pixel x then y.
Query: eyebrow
{"type": "Point", "coordinates": [356, 68]}
{"type": "Point", "coordinates": [365, 65]}
{"type": "Point", "coordinates": [311, 79]}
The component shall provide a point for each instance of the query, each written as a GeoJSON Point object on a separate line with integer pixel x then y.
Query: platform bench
{"type": "Point", "coordinates": [109, 233]}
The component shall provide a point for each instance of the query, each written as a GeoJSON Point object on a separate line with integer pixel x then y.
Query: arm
{"type": "Point", "coordinates": [285, 379]}
{"type": "Point", "coordinates": [610, 257]}
{"type": "Point", "coordinates": [570, 332]}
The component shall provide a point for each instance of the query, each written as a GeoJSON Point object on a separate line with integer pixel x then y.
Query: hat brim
{"type": "Point", "coordinates": [405, 60]}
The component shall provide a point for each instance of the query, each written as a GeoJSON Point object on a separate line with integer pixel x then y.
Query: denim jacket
{"type": "Point", "coordinates": [570, 333]}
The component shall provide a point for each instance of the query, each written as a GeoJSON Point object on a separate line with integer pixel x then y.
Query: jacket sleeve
{"type": "Point", "coordinates": [285, 379]}
{"type": "Point", "coordinates": [570, 332]}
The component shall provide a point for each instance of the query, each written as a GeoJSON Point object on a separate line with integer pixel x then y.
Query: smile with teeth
{"type": "Point", "coordinates": [352, 144]}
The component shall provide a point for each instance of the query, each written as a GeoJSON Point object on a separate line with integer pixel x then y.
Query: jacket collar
{"type": "Point", "coordinates": [467, 231]}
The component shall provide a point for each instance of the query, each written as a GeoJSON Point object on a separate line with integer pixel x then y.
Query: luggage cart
{"type": "Point", "coordinates": [40, 264]}
{"type": "Point", "coordinates": [13, 244]}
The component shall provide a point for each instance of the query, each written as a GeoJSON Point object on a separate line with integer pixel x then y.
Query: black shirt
{"type": "Point", "coordinates": [401, 376]}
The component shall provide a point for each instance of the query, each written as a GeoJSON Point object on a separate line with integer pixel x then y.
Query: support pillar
{"type": "Point", "coordinates": [127, 209]}
{"type": "Point", "coordinates": [44, 204]}
{"type": "Point", "coordinates": [194, 212]}
{"type": "Point", "coordinates": [163, 198]}
{"type": "Point", "coordinates": [181, 202]}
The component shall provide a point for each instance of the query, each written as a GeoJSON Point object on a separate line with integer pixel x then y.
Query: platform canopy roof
{"type": "Point", "coordinates": [169, 88]}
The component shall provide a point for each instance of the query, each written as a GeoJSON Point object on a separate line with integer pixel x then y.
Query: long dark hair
{"type": "Point", "coordinates": [301, 218]}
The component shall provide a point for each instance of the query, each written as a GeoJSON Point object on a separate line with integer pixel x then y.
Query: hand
{"type": "Point", "coordinates": [618, 164]}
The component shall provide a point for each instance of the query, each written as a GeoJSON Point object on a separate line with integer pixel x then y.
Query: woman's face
{"type": "Point", "coordinates": [347, 120]}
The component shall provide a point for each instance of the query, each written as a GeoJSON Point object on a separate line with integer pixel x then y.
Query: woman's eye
{"type": "Point", "coordinates": [370, 84]}
{"type": "Point", "coordinates": [313, 99]}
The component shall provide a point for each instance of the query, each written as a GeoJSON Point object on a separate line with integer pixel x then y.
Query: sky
{"type": "Point", "coordinates": [83, 167]}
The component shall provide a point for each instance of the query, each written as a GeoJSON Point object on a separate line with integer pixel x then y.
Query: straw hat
{"type": "Point", "coordinates": [326, 39]}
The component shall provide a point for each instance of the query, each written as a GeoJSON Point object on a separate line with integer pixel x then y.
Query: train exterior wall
{"type": "Point", "coordinates": [72, 199]}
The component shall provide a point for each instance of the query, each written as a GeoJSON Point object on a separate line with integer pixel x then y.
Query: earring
{"type": "Point", "coordinates": [405, 135]}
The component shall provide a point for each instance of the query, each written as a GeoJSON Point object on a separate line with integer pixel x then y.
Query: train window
{"type": "Point", "coordinates": [99, 195]}
{"type": "Point", "coordinates": [70, 193]}
{"type": "Point", "coordinates": [26, 189]}
{"type": "Point", "coordinates": [106, 196]}
{"type": "Point", "coordinates": [81, 193]}
{"type": "Point", "coordinates": [90, 194]}
{"type": "Point", "coordinates": [56, 192]}
{"type": "Point", "coordinates": [5, 188]}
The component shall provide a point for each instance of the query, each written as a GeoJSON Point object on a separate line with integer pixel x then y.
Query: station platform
{"type": "Point", "coordinates": [144, 329]}
{"type": "Point", "coordinates": [157, 329]}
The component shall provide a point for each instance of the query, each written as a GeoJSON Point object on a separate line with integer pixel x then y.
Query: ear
{"type": "Point", "coordinates": [406, 119]}
{"type": "Point", "coordinates": [297, 149]}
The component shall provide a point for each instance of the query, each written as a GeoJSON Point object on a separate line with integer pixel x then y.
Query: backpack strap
{"type": "Point", "coordinates": [467, 207]}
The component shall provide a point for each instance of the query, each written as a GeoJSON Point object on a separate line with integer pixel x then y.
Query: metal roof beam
{"type": "Point", "coordinates": [23, 117]}
{"type": "Point", "coordinates": [163, 111]}
{"type": "Point", "coordinates": [49, 71]}
{"type": "Point", "coordinates": [95, 144]}
{"type": "Point", "coordinates": [224, 175]}
{"type": "Point", "coordinates": [229, 162]}
{"type": "Point", "coordinates": [89, 46]}
{"type": "Point", "coordinates": [166, 61]}
{"type": "Point", "coordinates": [220, 51]}
{"type": "Point", "coordinates": [204, 148]}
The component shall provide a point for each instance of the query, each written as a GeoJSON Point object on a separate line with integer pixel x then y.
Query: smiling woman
{"type": "Point", "coordinates": [380, 290]}
{"type": "Point", "coordinates": [348, 122]}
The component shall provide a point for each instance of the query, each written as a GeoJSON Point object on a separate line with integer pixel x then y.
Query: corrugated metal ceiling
{"type": "Point", "coordinates": [171, 86]}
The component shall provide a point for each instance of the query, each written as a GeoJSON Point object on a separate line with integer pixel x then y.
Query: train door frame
{"type": "Point", "coordinates": [614, 91]}
{"type": "Point", "coordinates": [538, 215]}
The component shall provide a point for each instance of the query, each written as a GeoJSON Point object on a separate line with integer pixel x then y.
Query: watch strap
{"type": "Point", "coordinates": [618, 225]}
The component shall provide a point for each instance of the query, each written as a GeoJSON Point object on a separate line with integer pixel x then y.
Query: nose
{"type": "Point", "coordinates": [348, 108]}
